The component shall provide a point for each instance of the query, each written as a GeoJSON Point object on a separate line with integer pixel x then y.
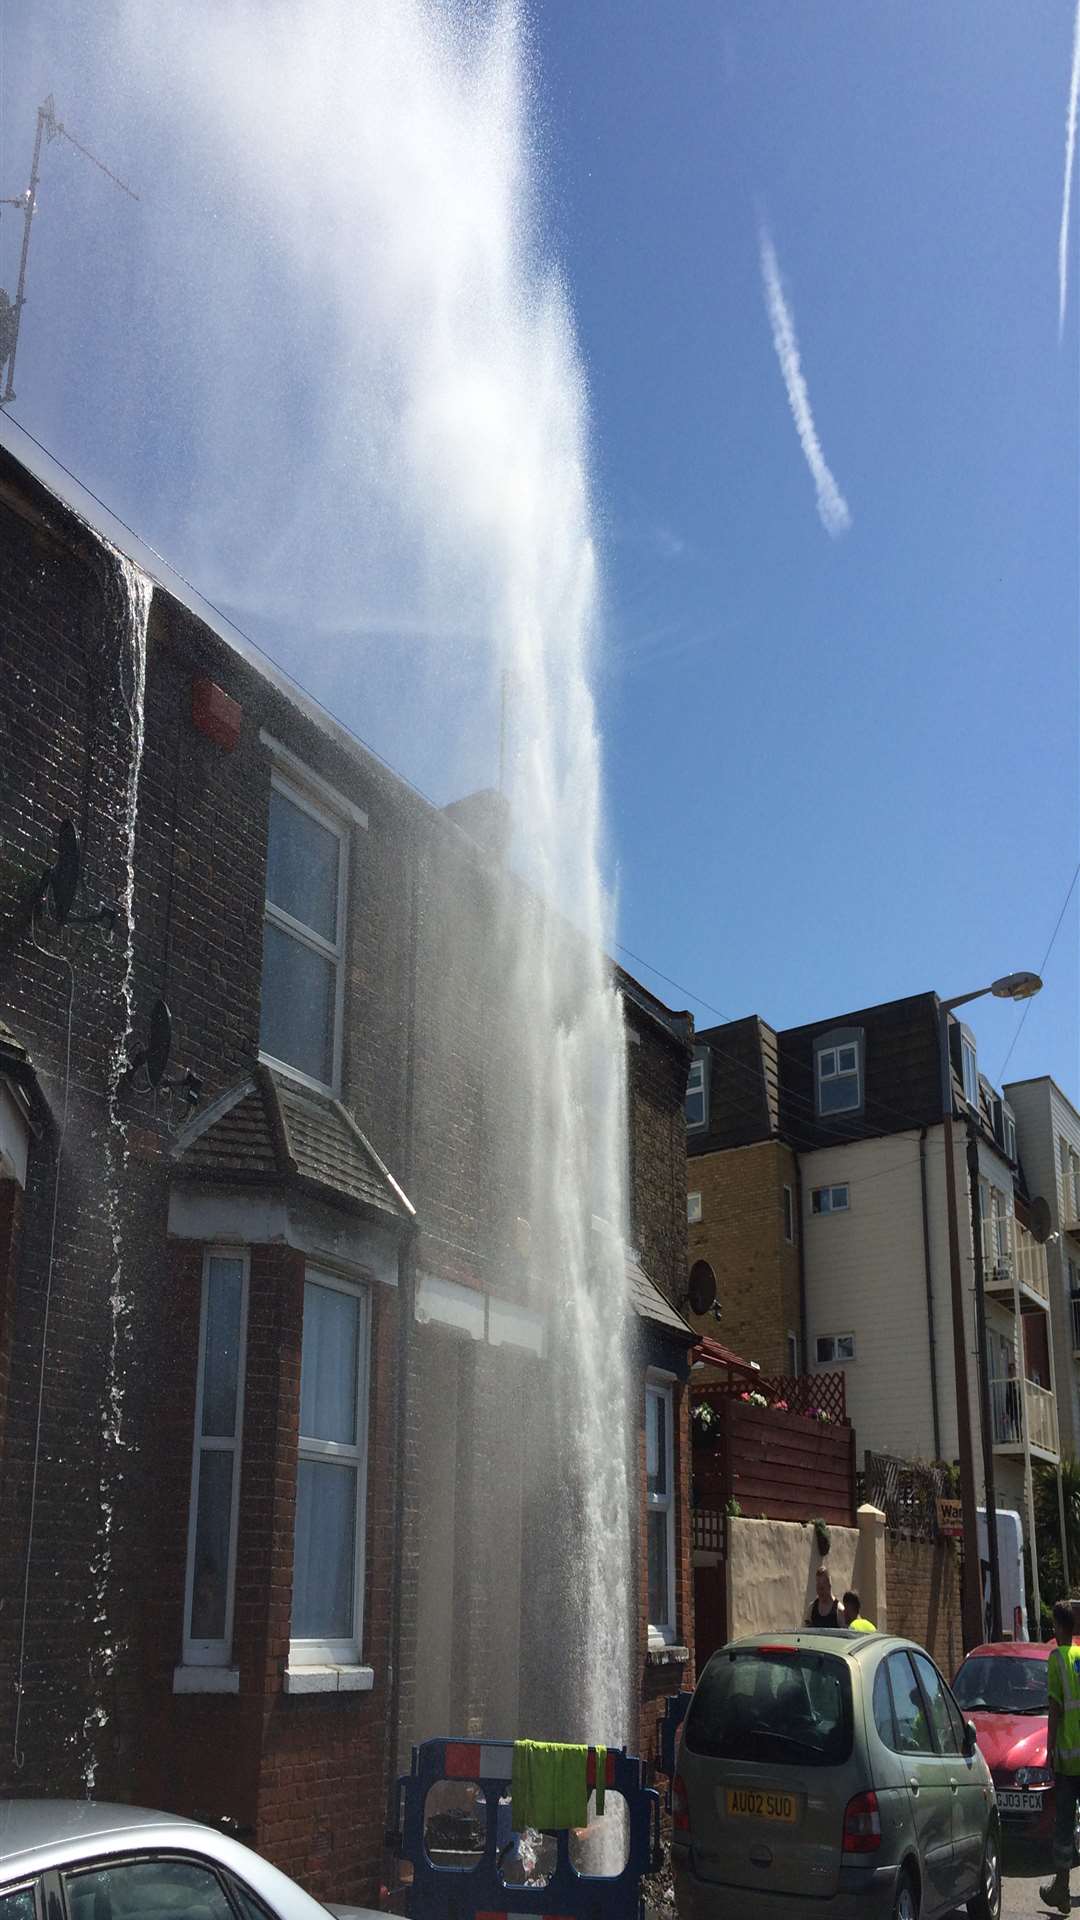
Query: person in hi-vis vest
{"type": "Point", "coordinates": [1063, 1749]}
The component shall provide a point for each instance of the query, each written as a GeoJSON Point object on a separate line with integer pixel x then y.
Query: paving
{"type": "Point", "coordinates": [1023, 1872]}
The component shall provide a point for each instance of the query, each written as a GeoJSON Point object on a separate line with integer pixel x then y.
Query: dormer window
{"type": "Point", "coordinates": [1008, 1123]}
{"type": "Point", "coordinates": [838, 1072]}
{"type": "Point", "coordinates": [697, 1094]}
{"type": "Point", "coordinates": [970, 1068]}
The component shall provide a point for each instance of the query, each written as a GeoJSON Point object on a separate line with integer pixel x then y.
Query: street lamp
{"type": "Point", "coordinates": [1011, 986]}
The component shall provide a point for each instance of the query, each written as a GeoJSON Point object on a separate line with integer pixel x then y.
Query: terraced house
{"type": "Point", "coordinates": [276, 1364]}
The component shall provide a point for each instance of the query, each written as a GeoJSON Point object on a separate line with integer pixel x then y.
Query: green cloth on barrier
{"type": "Point", "coordinates": [601, 1778]}
{"type": "Point", "coordinates": [548, 1785]}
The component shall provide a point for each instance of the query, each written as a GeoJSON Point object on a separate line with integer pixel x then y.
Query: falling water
{"type": "Point", "coordinates": [383, 320]}
{"type": "Point", "coordinates": [128, 615]}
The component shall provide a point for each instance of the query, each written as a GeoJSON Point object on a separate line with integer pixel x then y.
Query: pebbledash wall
{"type": "Point", "coordinates": [397, 1187]}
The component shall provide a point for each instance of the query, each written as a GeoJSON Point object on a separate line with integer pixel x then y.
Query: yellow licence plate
{"type": "Point", "coordinates": [751, 1803]}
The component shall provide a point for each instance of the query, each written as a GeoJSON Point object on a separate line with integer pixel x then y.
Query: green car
{"type": "Point", "coordinates": [831, 1776]}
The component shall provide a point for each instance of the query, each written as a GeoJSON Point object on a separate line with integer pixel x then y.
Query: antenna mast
{"type": "Point", "coordinates": [11, 310]}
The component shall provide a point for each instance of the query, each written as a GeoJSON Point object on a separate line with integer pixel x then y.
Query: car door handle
{"type": "Point", "coordinates": [953, 1786]}
{"type": "Point", "coordinates": [913, 1784]}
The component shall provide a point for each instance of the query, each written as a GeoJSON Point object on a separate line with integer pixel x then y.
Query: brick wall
{"type": "Point", "coordinates": [923, 1588]}
{"type": "Point", "coordinates": [10, 1218]}
{"type": "Point", "coordinates": [741, 1235]}
{"type": "Point", "coordinates": [657, 1068]}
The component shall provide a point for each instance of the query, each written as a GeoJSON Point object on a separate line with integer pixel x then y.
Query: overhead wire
{"type": "Point", "coordinates": [1042, 968]}
{"type": "Point", "coordinates": [638, 959]}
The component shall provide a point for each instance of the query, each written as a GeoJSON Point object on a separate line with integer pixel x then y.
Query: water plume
{"type": "Point", "coordinates": [390, 428]}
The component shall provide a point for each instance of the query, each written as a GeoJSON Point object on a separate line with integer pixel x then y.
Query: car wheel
{"type": "Point", "coordinates": [987, 1902]}
{"type": "Point", "coordinates": [906, 1904]}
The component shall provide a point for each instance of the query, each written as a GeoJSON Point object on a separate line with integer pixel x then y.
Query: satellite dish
{"type": "Point", "coordinates": [701, 1290]}
{"type": "Point", "coordinates": [1041, 1221]}
{"type": "Point", "coordinates": [159, 1045]}
{"type": "Point", "coordinates": [63, 878]}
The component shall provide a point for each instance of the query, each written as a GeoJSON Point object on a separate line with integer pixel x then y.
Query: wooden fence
{"type": "Point", "coordinates": [776, 1465]}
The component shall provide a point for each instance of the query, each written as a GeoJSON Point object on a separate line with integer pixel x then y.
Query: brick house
{"type": "Point", "coordinates": [265, 1321]}
{"type": "Point", "coordinates": [742, 1195]}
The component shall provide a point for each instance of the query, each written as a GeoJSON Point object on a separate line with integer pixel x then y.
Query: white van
{"type": "Point", "coordinates": [1010, 1544]}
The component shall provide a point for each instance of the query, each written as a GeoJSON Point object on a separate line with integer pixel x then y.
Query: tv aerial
{"type": "Point", "coordinates": [49, 128]}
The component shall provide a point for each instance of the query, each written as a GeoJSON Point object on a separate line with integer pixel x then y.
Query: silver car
{"type": "Point", "coordinates": [831, 1775]}
{"type": "Point", "coordinates": [79, 1860]}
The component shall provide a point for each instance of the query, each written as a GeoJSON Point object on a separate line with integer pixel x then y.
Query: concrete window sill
{"type": "Point", "coordinates": [329, 1679]}
{"type": "Point", "coordinates": [667, 1657]}
{"type": "Point", "coordinates": [206, 1680]}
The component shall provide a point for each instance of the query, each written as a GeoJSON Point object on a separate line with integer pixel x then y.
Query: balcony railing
{"type": "Point", "coordinates": [1030, 1257]}
{"type": "Point", "coordinates": [1009, 1251]}
{"type": "Point", "coordinates": [1008, 1415]}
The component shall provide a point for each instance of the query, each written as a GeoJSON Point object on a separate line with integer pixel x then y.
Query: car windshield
{"type": "Point", "coordinates": [780, 1705]}
{"type": "Point", "coordinates": [1001, 1683]}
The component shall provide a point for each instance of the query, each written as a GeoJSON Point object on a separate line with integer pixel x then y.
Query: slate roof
{"type": "Point", "coordinates": [650, 1304]}
{"type": "Point", "coordinates": [14, 1058]}
{"type": "Point", "coordinates": [270, 1131]}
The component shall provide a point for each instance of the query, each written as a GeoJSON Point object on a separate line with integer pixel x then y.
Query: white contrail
{"type": "Point", "coordinates": [832, 507]}
{"type": "Point", "coordinates": [1066, 198]}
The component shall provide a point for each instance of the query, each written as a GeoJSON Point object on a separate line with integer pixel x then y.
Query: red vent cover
{"type": "Point", "coordinates": [214, 713]}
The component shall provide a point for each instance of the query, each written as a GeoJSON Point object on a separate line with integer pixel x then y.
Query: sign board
{"type": "Point", "coordinates": [950, 1519]}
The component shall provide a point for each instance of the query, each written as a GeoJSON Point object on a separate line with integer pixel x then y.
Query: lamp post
{"type": "Point", "coordinates": [1012, 986]}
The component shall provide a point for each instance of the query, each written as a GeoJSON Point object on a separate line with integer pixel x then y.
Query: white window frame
{"type": "Point", "coordinates": [693, 1209]}
{"type": "Point", "coordinates": [216, 1653]}
{"type": "Point", "coordinates": [969, 1068]}
{"type": "Point", "coordinates": [1070, 1179]}
{"type": "Point", "coordinates": [661, 1390]}
{"type": "Point", "coordinates": [307, 936]}
{"type": "Point", "coordinates": [833, 1358]}
{"type": "Point", "coordinates": [827, 1051]}
{"type": "Point", "coordinates": [697, 1082]}
{"type": "Point", "coordinates": [1008, 1128]}
{"type": "Point", "coordinates": [346, 1652]}
{"type": "Point", "coordinates": [818, 1193]}
{"type": "Point", "coordinates": [787, 1204]}
{"type": "Point", "coordinates": [793, 1353]}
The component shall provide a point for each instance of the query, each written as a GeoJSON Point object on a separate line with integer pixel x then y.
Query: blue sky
{"type": "Point", "coordinates": [838, 769]}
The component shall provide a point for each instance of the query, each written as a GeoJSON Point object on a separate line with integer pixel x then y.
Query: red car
{"type": "Point", "coordinates": [1001, 1688]}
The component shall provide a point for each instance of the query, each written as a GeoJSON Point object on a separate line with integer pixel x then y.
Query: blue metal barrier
{"type": "Point", "coordinates": [479, 1891]}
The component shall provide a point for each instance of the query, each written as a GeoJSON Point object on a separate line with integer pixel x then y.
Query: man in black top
{"type": "Point", "coordinates": [825, 1611]}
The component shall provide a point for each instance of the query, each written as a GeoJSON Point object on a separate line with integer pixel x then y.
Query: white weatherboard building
{"type": "Point", "coordinates": [857, 1101]}
{"type": "Point", "coordinates": [1048, 1134]}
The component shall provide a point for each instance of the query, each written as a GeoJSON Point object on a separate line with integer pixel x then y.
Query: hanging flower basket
{"type": "Point", "coordinates": [705, 1424]}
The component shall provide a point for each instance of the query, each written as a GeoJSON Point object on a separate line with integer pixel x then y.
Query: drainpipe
{"type": "Point", "coordinates": [935, 1409]}
{"type": "Point", "coordinates": [804, 1354]}
{"type": "Point", "coordinates": [985, 1418]}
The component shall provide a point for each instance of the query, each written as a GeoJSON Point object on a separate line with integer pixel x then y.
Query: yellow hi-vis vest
{"type": "Point", "coordinates": [1063, 1685]}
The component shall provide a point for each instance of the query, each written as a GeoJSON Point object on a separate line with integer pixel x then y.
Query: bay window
{"type": "Point", "coordinates": [660, 1518]}
{"type": "Point", "coordinates": [215, 1471]}
{"type": "Point", "coordinates": [328, 1549]}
